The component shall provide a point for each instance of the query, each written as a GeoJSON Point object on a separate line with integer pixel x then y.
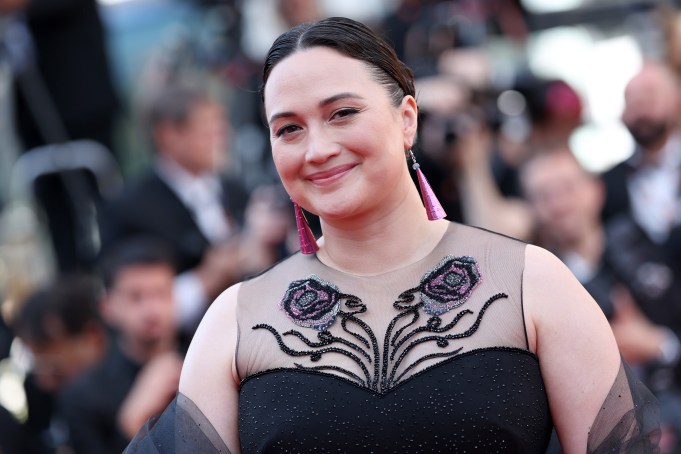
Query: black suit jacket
{"type": "Point", "coordinates": [90, 404]}
{"type": "Point", "coordinates": [151, 207]}
{"type": "Point", "coordinates": [616, 191]}
{"type": "Point", "coordinates": [12, 434]}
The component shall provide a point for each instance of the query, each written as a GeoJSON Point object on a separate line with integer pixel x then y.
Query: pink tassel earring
{"type": "Point", "coordinates": [308, 244]}
{"type": "Point", "coordinates": [432, 204]}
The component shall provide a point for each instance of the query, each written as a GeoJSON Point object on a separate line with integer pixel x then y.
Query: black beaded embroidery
{"type": "Point", "coordinates": [381, 370]}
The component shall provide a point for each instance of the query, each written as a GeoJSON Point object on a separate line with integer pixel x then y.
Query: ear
{"type": "Point", "coordinates": [164, 135]}
{"type": "Point", "coordinates": [410, 112]}
{"type": "Point", "coordinates": [599, 192]}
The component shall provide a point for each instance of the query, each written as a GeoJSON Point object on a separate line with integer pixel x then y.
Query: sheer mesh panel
{"type": "Point", "coordinates": [383, 333]}
{"type": "Point", "coordinates": [181, 429]}
{"type": "Point", "coordinates": [629, 420]}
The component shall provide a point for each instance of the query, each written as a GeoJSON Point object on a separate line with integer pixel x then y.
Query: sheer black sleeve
{"type": "Point", "coordinates": [629, 419]}
{"type": "Point", "coordinates": [182, 429]}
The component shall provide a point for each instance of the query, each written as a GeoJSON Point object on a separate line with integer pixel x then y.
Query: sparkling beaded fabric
{"type": "Point", "coordinates": [431, 357]}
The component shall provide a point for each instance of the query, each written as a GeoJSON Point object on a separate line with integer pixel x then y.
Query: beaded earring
{"type": "Point", "coordinates": [308, 244]}
{"type": "Point", "coordinates": [430, 201]}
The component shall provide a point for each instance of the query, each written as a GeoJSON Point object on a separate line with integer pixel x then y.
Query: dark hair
{"type": "Point", "coordinates": [64, 308]}
{"type": "Point", "coordinates": [174, 102]}
{"type": "Point", "coordinates": [548, 99]}
{"type": "Point", "coordinates": [139, 250]}
{"type": "Point", "coordinates": [350, 38]}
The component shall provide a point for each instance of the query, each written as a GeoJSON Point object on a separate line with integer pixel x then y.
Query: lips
{"type": "Point", "coordinates": [330, 176]}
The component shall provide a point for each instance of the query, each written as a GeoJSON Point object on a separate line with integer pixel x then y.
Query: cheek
{"type": "Point", "coordinates": [543, 210]}
{"type": "Point", "coordinates": [128, 315]}
{"type": "Point", "coordinates": [201, 147]}
{"type": "Point", "coordinates": [287, 165]}
{"type": "Point", "coordinates": [591, 203]}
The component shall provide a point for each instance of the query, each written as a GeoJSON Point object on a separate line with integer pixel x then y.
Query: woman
{"type": "Point", "coordinates": [399, 334]}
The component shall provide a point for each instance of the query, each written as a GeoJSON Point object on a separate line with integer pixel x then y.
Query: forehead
{"type": "Point", "coordinates": [205, 108]}
{"type": "Point", "coordinates": [550, 168]}
{"type": "Point", "coordinates": [314, 74]}
{"type": "Point", "coordinates": [652, 85]}
{"type": "Point", "coordinates": [143, 274]}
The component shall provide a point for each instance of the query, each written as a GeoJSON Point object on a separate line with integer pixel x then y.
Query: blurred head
{"type": "Point", "coordinates": [296, 12]}
{"type": "Point", "coordinates": [565, 198]}
{"type": "Point", "coordinates": [446, 113]}
{"type": "Point", "coordinates": [651, 105]}
{"type": "Point", "coordinates": [553, 107]}
{"type": "Point", "coordinates": [61, 327]}
{"type": "Point", "coordinates": [341, 113]}
{"type": "Point", "coordinates": [189, 127]}
{"type": "Point", "coordinates": [138, 275]}
{"type": "Point", "coordinates": [268, 215]}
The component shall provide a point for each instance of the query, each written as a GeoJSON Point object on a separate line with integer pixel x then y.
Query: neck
{"type": "Point", "coordinates": [652, 154]}
{"type": "Point", "coordinates": [588, 246]}
{"type": "Point", "coordinates": [141, 352]}
{"type": "Point", "coordinates": [387, 241]}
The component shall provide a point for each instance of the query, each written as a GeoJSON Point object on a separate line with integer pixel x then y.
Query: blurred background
{"type": "Point", "coordinates": [594, 46]}
{"type": "Point", "coordinates": [104, 103]}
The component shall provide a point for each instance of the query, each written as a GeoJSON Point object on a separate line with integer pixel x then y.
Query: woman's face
{"type": "Point", "coordinates": [337, 141]}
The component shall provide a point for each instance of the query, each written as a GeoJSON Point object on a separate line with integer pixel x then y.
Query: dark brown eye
{"type": "Point", "coordinates": [288, 129]}
{"type": "Point", "coordinates": [345, 113]}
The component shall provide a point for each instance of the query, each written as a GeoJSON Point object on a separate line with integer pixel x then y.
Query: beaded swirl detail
{"type": "Point", "coordinates": [315, 303]}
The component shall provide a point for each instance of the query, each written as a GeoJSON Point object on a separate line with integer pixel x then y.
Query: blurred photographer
{"type": "Point", "coordinates": [459, 137]}
{"type": "Point", "coordinates": [61, 91]}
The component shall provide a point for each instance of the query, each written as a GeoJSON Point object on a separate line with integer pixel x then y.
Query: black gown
{"type": "Point", "coordinates": [431, 357]}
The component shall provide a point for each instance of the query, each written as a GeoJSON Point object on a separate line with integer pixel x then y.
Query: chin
{"type": "Point", "coordinates": [337, 213]}
{"type": "Point", "coordinates": [151, 340]}
{"type": "Point", "coordinates": [154, 336]}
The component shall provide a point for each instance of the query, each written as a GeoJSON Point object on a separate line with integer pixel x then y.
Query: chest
{"type": "Point", "coordinates": [487, 400]}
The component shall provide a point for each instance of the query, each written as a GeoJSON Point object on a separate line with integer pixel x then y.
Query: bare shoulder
{"type": "Point", "coordinates": [214, 342]}
{"type": "Point", "coordinates": [556, 303]}
{"type": "Point", "coordinates": [575, 345]}
{"type": "Point", "coordinates": [551, 290]}
{"type": "Point", "coordinates": [209, 375]}
{"type": "Point", "coordinates": [543, 270]}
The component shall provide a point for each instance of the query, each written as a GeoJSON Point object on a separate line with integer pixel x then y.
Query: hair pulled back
{"type": "Point", "coordinates": [352, 39]}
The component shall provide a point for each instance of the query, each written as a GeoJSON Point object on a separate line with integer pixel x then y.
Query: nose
{"type": "Point", "coordinates": [155, 305]}
{"type": "Point", "coordinates": [320, 146]}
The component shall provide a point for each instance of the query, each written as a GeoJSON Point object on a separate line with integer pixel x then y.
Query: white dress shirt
{"type": "Point", "coordinates": [202, 195]}
{"type": "Point", "coordinates": [654, 192]}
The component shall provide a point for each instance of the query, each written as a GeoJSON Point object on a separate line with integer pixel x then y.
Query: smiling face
{"type": "Point", "coordinates": [337, 141]}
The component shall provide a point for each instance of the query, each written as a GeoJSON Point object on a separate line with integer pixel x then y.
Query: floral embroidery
{"type": "Point", "coordinates": [315, 303]}
{"type": "Point", "coordinates": [449, 285]}
{"type": "Point", "coordinates": [311, 303]}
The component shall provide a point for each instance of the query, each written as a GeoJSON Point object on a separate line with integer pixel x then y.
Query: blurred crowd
{"type": "Point", "coordinates": [124, 213]}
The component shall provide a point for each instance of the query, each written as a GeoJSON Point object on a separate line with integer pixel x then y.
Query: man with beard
{"type": "Point", "coordinates": [141, 371]}
{"type": "Point", "coordinates": [647, 184]}
{"type": "Point", "coordinates": [643, 202]}
{"type": "Point", "coordinates": [643, 214]}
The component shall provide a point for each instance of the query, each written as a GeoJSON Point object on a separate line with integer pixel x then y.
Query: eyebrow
{"type": "Point", "coordinates": [322, 103]}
